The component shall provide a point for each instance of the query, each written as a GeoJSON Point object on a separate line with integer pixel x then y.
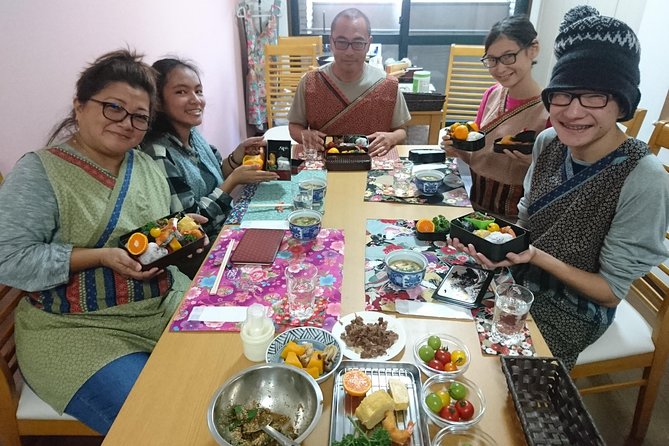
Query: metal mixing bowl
{"type": "Point", "coordinates": [280, 388]}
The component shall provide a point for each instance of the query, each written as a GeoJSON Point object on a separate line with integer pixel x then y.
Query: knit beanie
{"type": "Point", "coordinates": [597, 53]}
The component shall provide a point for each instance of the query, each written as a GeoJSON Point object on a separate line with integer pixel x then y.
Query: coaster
{"type": "Point", "coordinates": [483, 317]}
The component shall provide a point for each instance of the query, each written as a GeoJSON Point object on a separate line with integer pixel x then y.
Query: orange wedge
{"type": "Point", "coordinates": [424, 225]}
{"type": "Point", "coordinates": [356, 382]}
{"type": "Point", "coordinates": [137, 243]}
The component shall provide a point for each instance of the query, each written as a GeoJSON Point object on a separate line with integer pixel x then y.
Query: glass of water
{"type": "Point", "coordinates": [512, 305]}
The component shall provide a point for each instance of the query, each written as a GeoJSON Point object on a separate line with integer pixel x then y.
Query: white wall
{"type": "Point", "coordinates": [648, 18]}
{"type": "Point", "coordinates": [45, 44]}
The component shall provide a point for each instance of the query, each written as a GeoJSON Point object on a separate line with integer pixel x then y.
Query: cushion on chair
{"type": "Point", "coordinates": [629, 334]}
{"type": "Point", "coordinates": [31, 407]}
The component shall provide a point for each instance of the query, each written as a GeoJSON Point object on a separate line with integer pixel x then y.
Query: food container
{"type": "Point", "coordinates": [473, 395]}
{"type": "Point", "coordinates": [493, 251]}
{"type": "Point", "coordinates": [302, 231]}
{"type": "Point", "coordinates": [171, 258]}
{"type": "Point", "coordinates": [451, 343]}
{"type": "Point", "coordinates": [457, 437]}
{"type": "Point", "coordinates": [318, 337]}
{"type": "Point", "coordinates": [405, 279]}
{"type": "Point", "coordinates": [523, 142]}
{"type": "Point", "coordinates": [431, 236]}
{"type": "Point", "coordinates": [428, 182]}
{"type": "Point", "coordinates": [469, 146]}
{"type": "Point", "coordinates": [424, 101]}
{"type": "Point", "coordinates": [426, 156]}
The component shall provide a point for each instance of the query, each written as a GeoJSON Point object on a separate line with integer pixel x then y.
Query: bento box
{"type": "Point", "coordinates": [522, 142]}
{"type": "Point", "coordinates": [494, 248]}
{"type": "Point", "coordinates": [347, 153]}
{"type": "Point", "coordinates": [164, 241]}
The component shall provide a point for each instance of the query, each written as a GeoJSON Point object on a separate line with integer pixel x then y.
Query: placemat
{"type": "Point", "coordinates": [384, 236]}
{"type": "Point", "coordinates": [483, 317]}
{"type": "Point", "coordinates": [387, 161]}
{"type": "Point", "coordinates": [380, 188]}
{"type": "Point", "coordinates": [247, 284]}
{"type": "Point", "coordinates": [279, 192]}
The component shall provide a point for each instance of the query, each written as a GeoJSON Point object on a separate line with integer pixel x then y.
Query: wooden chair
{"type": "Point", "coordinates": [22, 413]}
{"type": "Point", "coordinates": [284, 67]}
{"type": "Point", "coordinates": [638, 339]}
{"type": "Point", "coordinates": [466, 81]}
{"type": "Point", "coordinates": [303, 40]}
{"type": "Point", "coordinates": [633, 125]}
{"type": "Point", "coordinates": [659, 139]}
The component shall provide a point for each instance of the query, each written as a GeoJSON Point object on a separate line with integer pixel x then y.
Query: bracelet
{"type": "Point", "coordinates": [231, 160]}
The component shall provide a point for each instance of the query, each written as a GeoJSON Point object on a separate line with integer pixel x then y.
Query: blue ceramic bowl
{"type": "Point", "coordinates": [302, 231]}
{"type": "Point", "coordinates": [429, 181]}
{"type": "Point", "coordinates": [318, 187]}
{"type": "Point", "coordinates": [401, 276]}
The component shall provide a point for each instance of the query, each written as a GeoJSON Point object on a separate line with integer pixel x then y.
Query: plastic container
{"type": "Point", "coordinates": [257, 333]}
{"type": "Point", "coordinates": [421, 82]}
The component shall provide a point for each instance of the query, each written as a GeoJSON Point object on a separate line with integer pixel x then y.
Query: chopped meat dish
{"type": "Point", "coordinates": [242, 425]}
{"type": "Point", "coordinates": [369, 340]}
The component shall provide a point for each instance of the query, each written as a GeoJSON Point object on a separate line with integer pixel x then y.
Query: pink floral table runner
{"type": "Point", "coordinates": [243, 285]}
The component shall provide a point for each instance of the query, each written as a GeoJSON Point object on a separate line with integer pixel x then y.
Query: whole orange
{"type": "Point", "coordinates": [460, 132]}
{"type": "Point", "coordinates": [474, 127]}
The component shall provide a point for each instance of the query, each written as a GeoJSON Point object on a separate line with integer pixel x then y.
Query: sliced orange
{"type": "Point", "coordinates": [253, 160]}
{"type": "Point", "coordinates": [460, 132]}
{"type": "Point", "coordinates": [356, 382]}
{"type": "Point", "coordinates": [474, 127]}
{"type": "Point", "coordinates": [137, 243]}
{"type": "Point", "coordinates": [424, 225]}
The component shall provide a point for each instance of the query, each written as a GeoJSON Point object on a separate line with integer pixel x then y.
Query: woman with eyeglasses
{"type": "Point", "coordinates": [200, 179]}
{"type": "Point", "coordinates": [509, 107]}
{"type": "Point", "coordinates": [596, 202]}
{"type": "Point", "coordinates": [91, 316]}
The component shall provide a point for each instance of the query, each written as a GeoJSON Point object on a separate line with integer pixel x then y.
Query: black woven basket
{"type": "Point", "coordinates": [348, 162]}
{"type": "Point", "coordinates": [424, 101]}
{"type": "Point", "coordinates": [548, 403]}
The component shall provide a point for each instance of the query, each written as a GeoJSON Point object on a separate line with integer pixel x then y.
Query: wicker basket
{"type": "Point", "coordinates": [424, 101]}
{"type": "Point", "coordinates": [548, 403]}
{"type": "Point", "coordinates": [348, 162]}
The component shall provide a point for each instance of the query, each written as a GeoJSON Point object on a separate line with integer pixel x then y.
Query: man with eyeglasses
{"type": "Point", "coordinates": [596, 202]}
{"type": "Point", "coordinates": [347, 96]}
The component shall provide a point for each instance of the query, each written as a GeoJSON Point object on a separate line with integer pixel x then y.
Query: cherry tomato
{"type": "Point", "coordinates": [443, 355]}
{"type": "Point", "coordinates": [434, 402]}
{"type": "Point", "coordinates": [458, 357]}
{"type": "Point", "coordinates": [426, 353]}
{"type": "Point", "coordinates": [436, 364]}
{"type": "Point", "coordinates": [450, 367]}
{"type": "Point", "coordinates": [465, 409]}
{"type": "Point", "coordinates": [434, 342]}
{"type": "Point", "coordinates": [445, 397]}
{"type": "Point", "coordinates": [449, 413]}
{"type": "Point", "coordinates": [457, 391]}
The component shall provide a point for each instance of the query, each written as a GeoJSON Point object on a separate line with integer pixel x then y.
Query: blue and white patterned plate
{"type": "Point", "coordinates": [318, 337]}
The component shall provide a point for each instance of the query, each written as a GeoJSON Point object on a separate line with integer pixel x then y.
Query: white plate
{"type": "Point", "coordinates": [370, 317]}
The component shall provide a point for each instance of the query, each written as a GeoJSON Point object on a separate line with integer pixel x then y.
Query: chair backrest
{"type": "Point", "coordinates": [303, 40]}
{"type": "Point", "coordinates": [9, 397]}
{"type": "Point", "coordinates": [659, 138]}
{"type": "Point", "coordinates": [466, 81]}
{"type": "Point", "coordinates": [632, 126]}
{"type": "Point", "coordinates": [284, 67]}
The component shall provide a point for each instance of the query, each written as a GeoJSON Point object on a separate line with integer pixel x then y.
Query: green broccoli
{"type": "Point", "coordinates": [441, 224]}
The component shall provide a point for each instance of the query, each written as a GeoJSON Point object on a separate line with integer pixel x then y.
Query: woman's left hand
{"type": "Point", "coordinates": [511, 258]}
{"type": "Point", "coordinates": [199, 219]}
{"type": "Point", "coordinates": [381, 143]}
{"type": "Point", "coordinates": [250, 146]}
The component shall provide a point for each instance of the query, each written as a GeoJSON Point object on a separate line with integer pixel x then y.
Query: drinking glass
{"type": "Point", "coordinates": [402, 174]}
{"type": "Point", "coordinates": [301, 281]}
{"type": "Point", "coordinates": [303, 199]}
{"type": "Point", "coordinates": [512, 305]}
{"type": "Point", "coordinates": [311, 145]}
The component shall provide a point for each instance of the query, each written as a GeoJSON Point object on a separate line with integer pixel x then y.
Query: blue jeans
{"type": "Point", "coordinates": [99, 400]}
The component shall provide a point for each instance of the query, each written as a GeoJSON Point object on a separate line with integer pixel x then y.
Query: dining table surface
{"type": "Point", "coordinates": [169, 402]}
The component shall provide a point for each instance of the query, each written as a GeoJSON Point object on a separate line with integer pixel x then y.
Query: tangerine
{"type": "Point", "coordinates": [155, 232]}
{"type": "Point", "coordinates": [356, 382]}
{"type": "Point", "coordinates": [137, 244]}
{"type": "Point", "coordinates": [474, 127]}
{"type": "Point", "coordinates": [454, 125]}
{"type": "Point", "coordinates": [424, 225]}
{"type": "Point", "coordinates": [333, 150]}
{"type": "Point", "coordinates": [460, 132]}
{"type": "Point", "coordinates": [253, 160]}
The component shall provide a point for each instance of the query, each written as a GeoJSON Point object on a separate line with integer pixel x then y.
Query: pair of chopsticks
{"type": "Point", "coordinates": [269, 205]}
{"type": "Point", "coordinates": [224, 264]}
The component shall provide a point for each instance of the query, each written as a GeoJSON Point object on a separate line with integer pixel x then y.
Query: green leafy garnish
{"type": "Point", "coordinates": [441, 224]}
{"type": "Point", "coordinates": [378, 437]}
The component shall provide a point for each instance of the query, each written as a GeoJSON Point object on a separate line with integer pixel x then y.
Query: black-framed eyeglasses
{"type": "Point", "coordinates": [117, 113]}
{"type": "Point", "coordinates": [587, 100]}
{"type": "Point", "coordinates": [357, 45]}
{"type": "Point", "coordinates": [504, 59]}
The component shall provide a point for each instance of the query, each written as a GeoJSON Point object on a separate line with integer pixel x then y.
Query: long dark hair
{"type": "Point", "coordinates": [117, 66]}
{"type": "Point", "coordinates": [516, 27]}
{"type": "Point", "coordinates": [163, 68]}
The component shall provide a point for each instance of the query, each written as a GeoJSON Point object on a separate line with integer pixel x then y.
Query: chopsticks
{"type": "Point", "coordinates": [221, 269]}
{"type": "Point", "coordinates": [269, 205]}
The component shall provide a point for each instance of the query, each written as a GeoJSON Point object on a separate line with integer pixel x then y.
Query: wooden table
{"type": "Point", "coordinates": [168, 404]}
{"type": "Point", "coordinates": [432, 119]}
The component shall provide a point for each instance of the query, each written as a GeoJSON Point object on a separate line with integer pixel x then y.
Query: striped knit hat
{"type": "Point", "coordinates": [598, 53]}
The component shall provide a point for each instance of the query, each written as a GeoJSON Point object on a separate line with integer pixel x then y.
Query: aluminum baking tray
{"type": "Point", "coordinates": [344, 405]}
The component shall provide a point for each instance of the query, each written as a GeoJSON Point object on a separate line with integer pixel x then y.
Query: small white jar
{"type": "Point", "coordinates": [257, 333]}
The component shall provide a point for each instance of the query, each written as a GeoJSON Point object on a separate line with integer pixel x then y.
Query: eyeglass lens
{"type": "Point", "coordinates": [117, 113]}
{"type": "Point", "coordinates": [344, 44]}
{"type": "Point", "coordinates": [587, 100]}
{"type": "Point", "coordinates": [504, 59]}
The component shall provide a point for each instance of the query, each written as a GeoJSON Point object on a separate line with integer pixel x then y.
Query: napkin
{"type": "Point", "coordinates": [442, 310]}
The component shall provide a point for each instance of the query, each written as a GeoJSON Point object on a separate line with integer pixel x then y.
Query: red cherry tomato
{"type": "Point", "coordinates": [443, 355]}
{"type": "Point", "coordinates": [449, 413]}
{"type": "Point", "coordinates": [450, 367]}
{"type": "Point", "coordinates": [435, 364]}
{"type": "Point", "coordinates": [465, 409]}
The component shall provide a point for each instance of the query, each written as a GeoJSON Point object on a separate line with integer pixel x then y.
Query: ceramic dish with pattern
{"type": "Point", "coordinates": [317, 337]}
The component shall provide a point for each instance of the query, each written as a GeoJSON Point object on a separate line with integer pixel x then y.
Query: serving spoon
{"type": "Point", "coordinates": [278, 436]}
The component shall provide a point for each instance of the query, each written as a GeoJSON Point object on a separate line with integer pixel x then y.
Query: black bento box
{"type": "Point", "coordinates": [493, 251]}
{"type": "Point", "coordinates": [426, 156]}
{"type": "Point", "coordinates": [171, 258]}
